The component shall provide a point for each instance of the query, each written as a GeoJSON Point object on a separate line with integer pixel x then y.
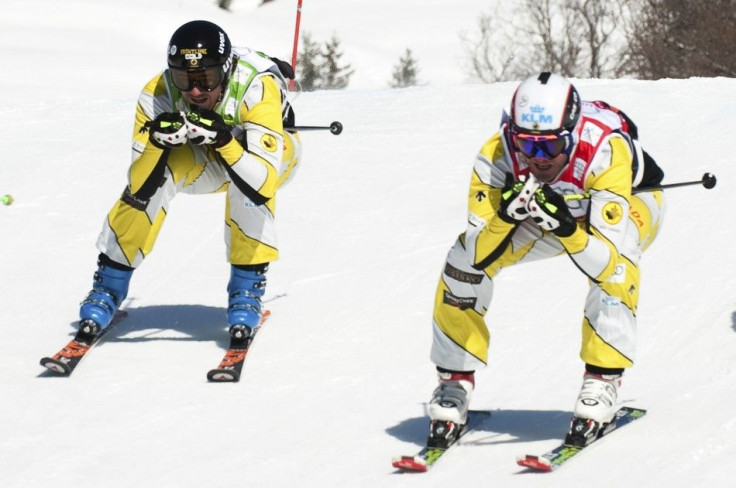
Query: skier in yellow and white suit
{"type": "Point", "coordinates": [556, 179]}
{"type": "Point", "coordinates": [212, 122]}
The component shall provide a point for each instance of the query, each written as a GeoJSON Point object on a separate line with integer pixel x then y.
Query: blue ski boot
{"type": "Point", "coordinates": [109, 289]}
{"type": "Point", "coordinates": [245, 289]}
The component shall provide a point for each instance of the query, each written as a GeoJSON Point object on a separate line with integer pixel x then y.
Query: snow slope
{"type": "Point", "coordinates": [336, 383]}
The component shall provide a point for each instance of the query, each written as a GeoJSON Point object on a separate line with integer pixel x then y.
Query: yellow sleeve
{"type": "Point", "coordinates": [487, 234]}
{"type": "Point", "coordinates": [145, 155]}
{"type": "Point", "coordinates": [257, 163]}
{"type": "Point", "coordinates": [483, 197]}
{"type": "Point", "coordinates": [595, 246]}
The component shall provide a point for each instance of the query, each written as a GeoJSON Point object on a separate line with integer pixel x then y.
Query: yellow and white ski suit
{"type": "Point", "coordinates": [261, 157]}
{"type": "Point", "coordinates": [614, 229]}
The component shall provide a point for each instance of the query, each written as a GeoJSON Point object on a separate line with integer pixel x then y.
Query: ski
{"type": "Point", "coordinates": [428, 455]}
{"type": "Point", "coordinates": [66, 360]}
{"type": "Point", "coordinates": [555, 458]}
{"type": "Point", "coordinates": [232, 363]}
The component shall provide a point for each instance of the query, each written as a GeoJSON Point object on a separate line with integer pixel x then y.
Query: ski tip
{"type": "Point", "coordinates": [534, 462]}
{"type": "Point", "coordinates": [631, 411]}
{"type": "Point", "coordinates": [410, 463]}
{"type": "Point", "coordinates": [223, 376]}
{"type": "Point", "coordinates": [56, 366]}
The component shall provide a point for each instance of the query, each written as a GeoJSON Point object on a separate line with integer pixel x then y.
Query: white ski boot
{"type": "Point", "coordinates": [448, 409]}
{"type": "Point", "coordinates": [451, 398]}
{"type": "Point", "coordinates": [595, 408]}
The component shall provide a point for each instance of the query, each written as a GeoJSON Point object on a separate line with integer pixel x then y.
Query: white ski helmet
{"type": "Point", "coordinates": [545, 104]}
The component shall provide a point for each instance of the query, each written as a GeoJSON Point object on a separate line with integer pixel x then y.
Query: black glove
{"type": "Point", "coordinates": [515, 198]}
{"type": "Point", "coordinates": [207, 127]}
{"type": "Point", "coordinates": [550, 212]}
{"type": "Point", "coordinates": [167, 130]}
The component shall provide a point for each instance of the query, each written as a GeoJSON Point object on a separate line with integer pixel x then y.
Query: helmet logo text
{"type": "Point", "coordinates": [194, 53]}
{"type": "Point", "coordinates": [193, 56]}
{"type": "Point", "coordinates": [221, 49]}
{"type": "Point", "coordinates": [536, 118]}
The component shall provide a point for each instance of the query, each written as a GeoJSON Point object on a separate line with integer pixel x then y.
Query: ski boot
{"type": "Point", "coordinates": [448, 409]}
{"type": "Point", "coordinates": [109, 289]}
{"type": "Point", "coordinates": [595, 408]}
{"type": "Point", "coordinates": [245, 289]}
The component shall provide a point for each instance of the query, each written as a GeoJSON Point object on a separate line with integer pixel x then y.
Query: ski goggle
{"type": "Point", "coordinates": [542, 146]}
{"type": "Point", "coordinates": [205, 79]}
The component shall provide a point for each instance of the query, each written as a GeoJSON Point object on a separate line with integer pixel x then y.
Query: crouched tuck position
{"type": "Point", "coordinates": [556, 179]}
{"type": "Point", "coordinates": [212, 122]}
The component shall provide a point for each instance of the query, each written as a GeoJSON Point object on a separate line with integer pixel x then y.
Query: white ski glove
{"type": "Point", "coordinates": [207, 127]}
{"type": "Point", "coordinates": [515, 198]}
{"type": "Point", "coordinates": [549, 211]}
{"type": "Point", "coordinates": [167, 130]}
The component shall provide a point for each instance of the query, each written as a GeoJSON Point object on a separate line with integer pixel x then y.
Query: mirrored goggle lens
{"type": "Point", "coordinates": [207, 79]}
{"type": "Point", "coordinates": [541, 146]}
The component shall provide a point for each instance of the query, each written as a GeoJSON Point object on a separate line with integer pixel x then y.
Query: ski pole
{"type": "Point", "coordinates": [6, 199]}
{"type": "Point", "coordinates": [335, 128]}
{"type": "Point", "coordinates": [708, 181]}
{"type": "Point", "coordinates": [296, 42]}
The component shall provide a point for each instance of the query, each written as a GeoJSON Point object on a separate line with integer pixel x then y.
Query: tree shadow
{"type": "Point", "coordinates": [733, 321]}
{"type": "Point", "coordinates": [520, 425]}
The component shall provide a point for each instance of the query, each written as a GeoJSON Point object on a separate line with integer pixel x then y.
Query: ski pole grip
{"type": "Point", "coordinates": [335, 128]}
{"type": "Point", "coordinates": [708, 181]}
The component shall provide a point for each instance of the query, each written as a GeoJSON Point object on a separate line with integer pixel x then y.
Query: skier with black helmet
{"type": "Point", "coordinates": [556, 179]}
{"type": "Point", "coordinates": [213, 121]}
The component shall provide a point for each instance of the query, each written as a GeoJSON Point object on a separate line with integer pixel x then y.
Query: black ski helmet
{"type": "Point", "coordinates": [200, 44]}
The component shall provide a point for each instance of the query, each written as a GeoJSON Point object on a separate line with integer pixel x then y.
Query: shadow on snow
{"type": "Point", "coordinates": [502, 427]}
{"type": "Point", "coordinates": [188, 322]}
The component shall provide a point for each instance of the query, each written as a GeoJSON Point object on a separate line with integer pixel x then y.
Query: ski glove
{"type": "Point", "coordinates": [207, 127]}
{"type": "Point", "coordinates": [167, 130]}
{"type": "Point", "coordinates": [549, 210]}
{"type": "Point", "coordinates": [515, 198]}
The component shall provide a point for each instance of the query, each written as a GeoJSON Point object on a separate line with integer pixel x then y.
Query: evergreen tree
{"type": "Point", "coordinates": [308, 64]}
{"type": "Point", "coordinates": [333, 75]}
{"type": "Point", "coordinates": [405, 73]}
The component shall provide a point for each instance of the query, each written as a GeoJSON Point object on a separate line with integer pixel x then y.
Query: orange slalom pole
{"type": "Point", "coordinates": [296, 42]}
